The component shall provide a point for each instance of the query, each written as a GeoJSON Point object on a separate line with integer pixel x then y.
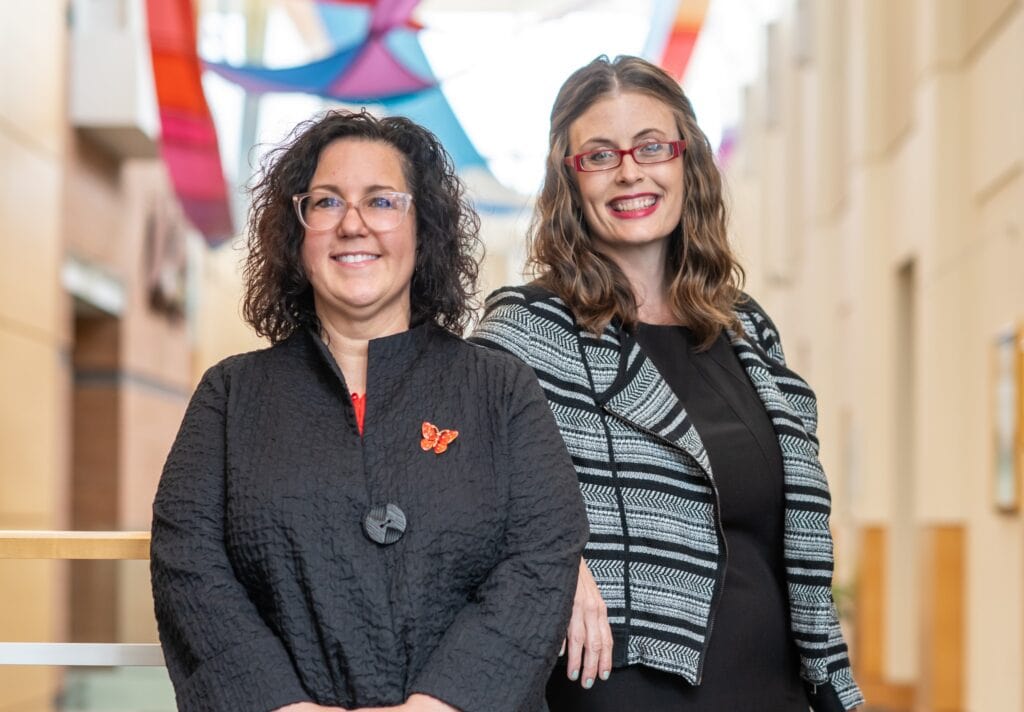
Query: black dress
{"type": "Point", "coordinates": [751, 662]}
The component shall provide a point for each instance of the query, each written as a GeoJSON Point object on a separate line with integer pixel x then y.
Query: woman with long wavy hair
{"type": "Point", "coordinates": [706, 581]}
{"type": "Point", "coordinates": [371, 513]}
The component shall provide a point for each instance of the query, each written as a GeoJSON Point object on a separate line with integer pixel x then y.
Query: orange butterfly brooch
{"type": "Point", "coordinates": [436, 439]}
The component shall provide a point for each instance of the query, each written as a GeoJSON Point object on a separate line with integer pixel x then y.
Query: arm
{"type": "Point", "coordinates": [220, 653]}
{"type": "Point", "coordinates": [840, 692]}
{"type": "Point", "coordinates": [501, 647]}
{"type": "Point", "coordinates": [588, 643]}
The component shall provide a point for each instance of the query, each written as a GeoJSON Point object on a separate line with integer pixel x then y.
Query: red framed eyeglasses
{"type": "Point", "coordinates": [603, 159]}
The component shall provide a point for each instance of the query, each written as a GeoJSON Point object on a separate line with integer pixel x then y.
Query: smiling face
{"type": "Point", "coordinates": [359, 274]}
{"type": "Point", "coordinates": [629, 210]}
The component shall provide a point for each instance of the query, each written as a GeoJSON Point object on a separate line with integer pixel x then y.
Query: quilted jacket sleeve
{"type": "Point", "coordinates": [499, 651]}
{"type": "Point", "coordinates": [219, 652]}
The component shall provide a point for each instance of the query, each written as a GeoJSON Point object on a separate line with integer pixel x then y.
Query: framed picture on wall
{"type": "Point", "coordinates": [1008, 402]}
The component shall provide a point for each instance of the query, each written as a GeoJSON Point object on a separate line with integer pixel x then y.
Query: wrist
{"type": "Point", "coordinates": [419, 702]}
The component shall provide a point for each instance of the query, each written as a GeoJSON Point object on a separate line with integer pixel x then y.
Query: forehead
{"type": "Point", "coordinates": [356, 162]}
{"type": "Point", "coordinates": [620, 117]}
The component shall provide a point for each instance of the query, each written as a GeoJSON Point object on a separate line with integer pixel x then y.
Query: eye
{"type": "Point", "coordinates": [326, 201]}
{"type": "Point", "coordinates": [653, 149]}
{"type": "Point", "coordinates": [602, 155]}
{"type": "Point", "coordinates": [382, 201]}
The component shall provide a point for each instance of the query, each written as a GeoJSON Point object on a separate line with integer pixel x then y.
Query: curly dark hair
{"type": "Point", "coordinates": [278, 295]}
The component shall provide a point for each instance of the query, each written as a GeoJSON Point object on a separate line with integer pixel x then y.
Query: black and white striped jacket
{"type": "Point", "coordinates": [655, 546]}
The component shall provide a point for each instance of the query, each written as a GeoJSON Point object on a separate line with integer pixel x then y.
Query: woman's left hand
{"type": "Point", "coordinates": [415, 703]}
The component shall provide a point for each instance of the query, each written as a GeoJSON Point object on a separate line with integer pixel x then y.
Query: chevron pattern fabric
{"type": "Point", "coordinates": [656, 546]}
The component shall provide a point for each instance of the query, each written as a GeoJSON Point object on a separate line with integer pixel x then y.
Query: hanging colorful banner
{"type": "Point", "coordinates": [683, 36]}
{"type": "Point", "coordinates": [384, 68]}
{"type": "Point", "coordinates": [188, 137]}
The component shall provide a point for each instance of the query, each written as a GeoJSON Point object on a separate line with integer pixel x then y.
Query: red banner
{"type": "Point", "coordinates": [188, 135]}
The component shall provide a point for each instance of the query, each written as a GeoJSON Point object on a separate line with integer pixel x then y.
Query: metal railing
{"type": "Point", "coordinates": [114, 546]}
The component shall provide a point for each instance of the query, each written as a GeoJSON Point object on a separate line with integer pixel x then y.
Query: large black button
{"type": "Point", "coordinates": [385, 523]}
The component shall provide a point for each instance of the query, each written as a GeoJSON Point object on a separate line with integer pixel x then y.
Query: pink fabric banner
{"type": "Point", "coordinates": [188, 137]}
{"type": "Point", "coordinates": [376, 73]}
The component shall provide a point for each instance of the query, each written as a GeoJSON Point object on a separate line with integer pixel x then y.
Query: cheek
{"type": "Point", "coordinates": [590, 189]}
{"type": "Point", "coordinates": [679, 181]}
{"type": "Point", "coordinates": [592, 198]}
{"type": "Point", "coordinates": [409, 246]}
{"type": "Point", "coordinates": [310, 252]}
{"type": "Point", "coordinates": [401, 248]}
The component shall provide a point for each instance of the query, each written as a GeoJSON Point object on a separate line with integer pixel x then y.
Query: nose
{"type": "Point", "coordinates": [629, 171]}
{"type": "Point", "coordinates": [351, 224]}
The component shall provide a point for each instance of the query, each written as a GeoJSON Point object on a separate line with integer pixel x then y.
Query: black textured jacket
{"type": "Point", "coordinates": [267, 589]}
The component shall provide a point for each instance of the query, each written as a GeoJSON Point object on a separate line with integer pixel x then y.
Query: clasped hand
{"type": "Point", "coordinates": [588, 642]}
{"type": "Point", "coordinates": [415, 703]}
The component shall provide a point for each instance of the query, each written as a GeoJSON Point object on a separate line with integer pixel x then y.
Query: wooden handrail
{"type": "Point", "coordinates": [114, 546]}
{"type": "Point", "coordinates": [39, 544]}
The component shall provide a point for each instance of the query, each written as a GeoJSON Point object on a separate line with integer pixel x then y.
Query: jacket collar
{"type": "Point", "coordinates": [636, 393]}
{"type": "Point", "coordinates": [387, 357]}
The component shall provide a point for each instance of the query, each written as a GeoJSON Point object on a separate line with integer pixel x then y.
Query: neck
{"type": "Point", "coordinates": [349, 341]}
{"type": "Point", "coordinates": [644, 269]}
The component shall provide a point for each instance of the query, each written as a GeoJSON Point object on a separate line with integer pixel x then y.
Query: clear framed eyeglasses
{"type": "Point", "coordinates": [320, 210]}
{"type": "Point", "coordinates": [603, 159]}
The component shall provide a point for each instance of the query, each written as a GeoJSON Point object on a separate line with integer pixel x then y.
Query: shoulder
{"type": "Point", "coordinates": [527, 296]}
{"type": "Point", "coordinates": [526, 305]}
{"type": "Point", "coordinates": [497, 376]}
{"type": "Point", "coordinates": [759, 327]}
{"type": "Point", "coordinates": [239, 367]}
{"type": "Point", "coordinates": [747, 308]}
{"type": "Point", "coordinates": [523, 319]}
{"type": "Point", "coordinates": [451, 348]}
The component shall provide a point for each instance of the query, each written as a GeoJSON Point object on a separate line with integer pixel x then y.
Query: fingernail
{"type": "Point", "coordinates": [605, 674]}
{"type": "Point", "coordinates": [574, 675]}
{"type": "Point", "coordinates": [562, 651]}
{"type": "Point", "coordinates": [588, 684]}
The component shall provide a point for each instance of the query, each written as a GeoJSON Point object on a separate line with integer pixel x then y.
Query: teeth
{"type": "Point", "coordinates": [633, 204]}
{"type": "Point", "coordinates": [350, 259]}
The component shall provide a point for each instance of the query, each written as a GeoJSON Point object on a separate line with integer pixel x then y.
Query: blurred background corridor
{"type": "Point", "coordinates": [874, 156]}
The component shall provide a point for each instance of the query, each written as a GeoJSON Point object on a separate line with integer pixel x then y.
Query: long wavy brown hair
{"type": "Point", "coordinates": [278, 295]}
{"type": "Point", "coordinates": [704, 277]}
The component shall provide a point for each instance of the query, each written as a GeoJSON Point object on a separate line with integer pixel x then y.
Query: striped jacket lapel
{"type": "Point", "coordinates": [760, 371]}
{"type": "Point", "coordinates": [639, 395]}
{"type": "Point", "coordinates": [807, 542]}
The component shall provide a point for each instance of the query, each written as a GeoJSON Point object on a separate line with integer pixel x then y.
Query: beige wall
{"type": "Point", "coordinates": [89, 406]}
{"type": "Point", "coordinates": [220, 331]}
{"type": "Point", "coordinates": [33, 337]}
{"type": "Point", "coordinates": [880, 212]}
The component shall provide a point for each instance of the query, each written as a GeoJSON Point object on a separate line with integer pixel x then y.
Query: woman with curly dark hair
{"type": "Point", "coordinates": [371, 513]}
{"type": "Point", "coordinates": [706, 583]}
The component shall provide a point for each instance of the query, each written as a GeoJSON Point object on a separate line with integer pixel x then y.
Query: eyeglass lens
{"type": "Point", "coordinates": [322, 210]}
{"type": "Point", "coordinates": [606, 158]}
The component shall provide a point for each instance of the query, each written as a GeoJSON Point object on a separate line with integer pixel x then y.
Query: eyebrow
{"type": "Point", "coordinates": [370, 189]}
{"type": "Point", "coordinates": [602, 141]}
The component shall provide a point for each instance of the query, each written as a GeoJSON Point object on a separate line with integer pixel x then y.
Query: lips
{"type": "Point", "coordinates": [633, 206]}
{"type": "Point", "coordinates": [627, 205]}
{"type": "Point", "coordinates": [355, 258]}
